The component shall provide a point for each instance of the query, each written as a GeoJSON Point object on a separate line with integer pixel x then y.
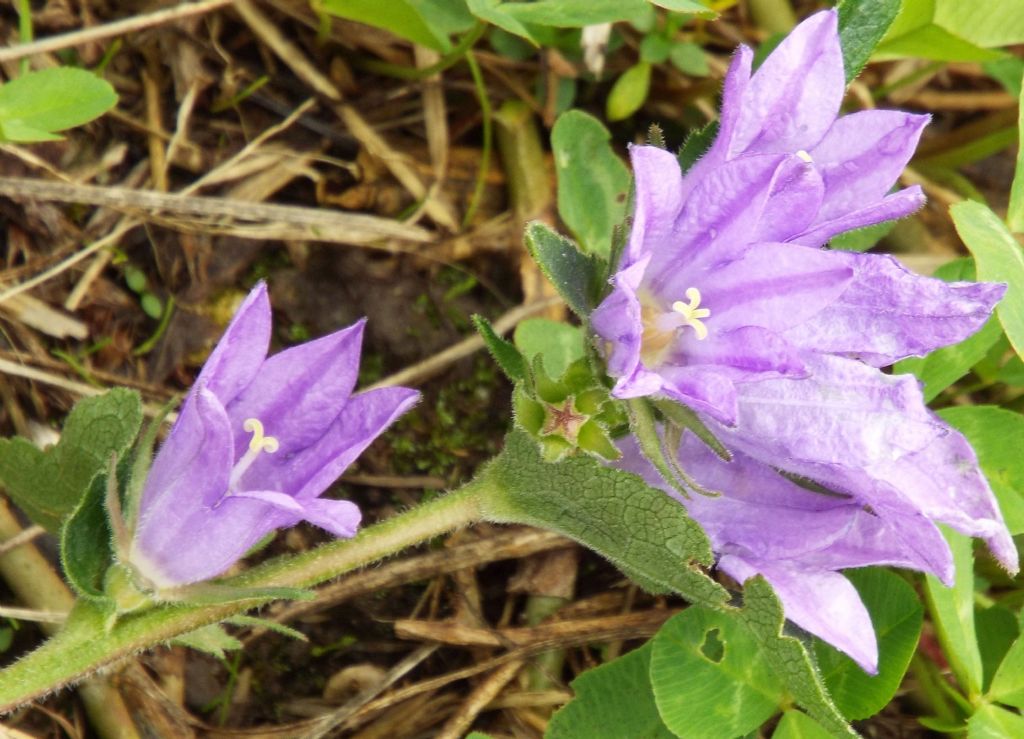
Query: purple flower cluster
{"type": "Point", "coordinates": [725, 302]}
{"type": "Point", "coordinates": [257, 441]}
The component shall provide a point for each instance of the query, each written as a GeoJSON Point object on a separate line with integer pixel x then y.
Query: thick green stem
{"type": "Point", "coordinates": [84, 645]}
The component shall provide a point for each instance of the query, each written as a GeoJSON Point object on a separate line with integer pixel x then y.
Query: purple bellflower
{"type": "Point", "coordinates": [257, 441]}
{"type": "Point", "coordinates": [725, 302]}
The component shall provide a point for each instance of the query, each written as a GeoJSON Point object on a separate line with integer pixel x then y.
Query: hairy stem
{"type": "Point", "coordinates": [84, 645]}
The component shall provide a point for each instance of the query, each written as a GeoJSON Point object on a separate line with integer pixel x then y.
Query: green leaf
{"type": "Point", "coordinates": [404, 18]}
{"type": "Point", "coordinates": [896, 615]}
{"type": "Point", "coordinates": [212, 639]}
{"type": "Point", "coordinates": [1015, 211]}
{"type": "Point", "coordinates": [987, 23]}
{"type": "Point", "coordinates": [926, 29]}
{"type": "Point", "coordinates": [270, 625]}
{"type": "Point", "coordinates": [999, 258]}
{"type": "Point", "coordinates": [689, 59]}
{"type": "Point", "coordinates": [1008, 683]}
{"type": "Point", "coordinates": [797, 725]}
{"type": "Point", "coordinates": [640, 529]}
{"type": "Point", "coordinates": [86, 543]}
{"type": "Point", "coordinates": [557, 343]}
{"type": "Point", "coordinates": [629, 92]}
{"type": "Point", "coordinates": [48, 485]}
{"type": "Point", "coordinates": [993, 722]}
{"type": "Point", "coordinates": [762, 612]}
{"type": "Point", "coordinates": [504, 352]}
{"type": "Point", "coordinates": [953, 612]}
{"type": "Point", "coordinates": [592, 180]}
{"type": "Point", "coordinates": [612, 700]}
{"type": "Point", "coordinates": [566, 13]}
{"type": "Point", "coordinates": [36, 104]}
{"type": "Point", "coordinates": [997, 629]}
{"type": "Point", "coordinates": [710, 677]}
{"type": "Point", "coordinates": [573, 273]}
{"type": "Point", "coordinates": [684, 6]}
{"type": "Point", "coordinates": [1007, 72]}
{"type": "Point", "coordinates": [862, 24]}
{"type": "Point", "coordinates": [995, 434]}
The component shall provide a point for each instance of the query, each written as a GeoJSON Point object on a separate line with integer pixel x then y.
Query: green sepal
{"type": "Point", "coordinates": [50, 484]}
{"type": "Point", "coordinates": [529, 413]}
{"type": "Point", "coordinates": [555, 448]}
{"type": "Point", "coordinates": [644, 427]}
{"type": "Point", "coordinates": [591, 402]}
{"type": "Point", "coordinates": [212, 640]}
{"type": "Point", "coordinates": [573, 273]}
{"type": "Point", "coordinates": [683, 417]}
{"type": "Point", "coordinates": [547, 389]}
{"type": "Point", "coordinates": [505, 353]}
{"type": "Point", "coordinates": [265, 623]}
{"type": "Point", "coordinates": [136, 480]}
{"type": "Point", "coordinates": [696, 145]}
{"type": "Point", "coordinates": [593, 438]}
{"type": "Point", "coordinates": [213, 593]}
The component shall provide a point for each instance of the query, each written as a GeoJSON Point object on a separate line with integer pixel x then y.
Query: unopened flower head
{"type": "Point", "coordinates": [725, 301]}
{"type": "Point", "coordinates": [257, 441]}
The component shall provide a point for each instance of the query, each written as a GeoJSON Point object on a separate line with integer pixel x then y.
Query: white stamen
{"type": "Point", "coordinates": [257, 444]}
{"type": "Point", "coordinates": [692, 313]}
{"type": "Point", "coordinates": [805, 156]}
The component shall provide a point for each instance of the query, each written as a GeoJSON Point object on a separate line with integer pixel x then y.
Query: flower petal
{"type": "Point", "coordinates": [705, 389]}
{"type": "Point", "coordinates": [887, 313]}
{"type": "Point", "coordinates": [658, 199]}
{"type": "Point", "coordinates": [236, 359]}
{"type": "Point", "coordinates": [340, 517]}
{"type": "Point", "coordinates": [862, 155]}
{"type": "Point", "coordinates": [796, 196]}
{"type": "Point", "coordinates": [307, 472]}
{"type": "Point", "coordinates": [821, 602]}
{"type": "Point", "coordinates": [299, 392]}
{"type": "Point", "coordinates": [889, 208]}
{"type": "Point", "coordinates": [794, 96]}
{"type": "Point", "coordinates": [775, 286]}
{"type": "Point", "coordinates": [744, 354]}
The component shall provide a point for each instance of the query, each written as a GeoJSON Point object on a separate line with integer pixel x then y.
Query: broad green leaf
{"type": "Point", "coordinates": [85, 543]}
{"type": "Point", "coordinates": [924, 29]}
{"type": "Point", "coordinates": [35, 105]}
{"type": "Point", "coordinates": [998, 630]}
{"type": "Point", "coordinates": [942, 367]}
{"type": "Point", "coordinates": [556, 342]}
{"type": "Point", "coordinates": [896, 615]}
{"type": "Point", "coordinates": [613, 700]}
{"type": "Point", "coordinates": [999, 258]}
{"type": "Point", "coordinates": [1015, 212]}
{"type": "Point", "coordinates": [592, 180]}
{"type": "Point", "coordinates": [987, 23]}
{"type": "Point", "coordinates": [862, 24]}
{"type": "Point", "coordinates": [573, 273]}
{"type": "Point", "coordinates": [495, 12]}
{"type": "Point", "coordinates": [995, 434]}
{"type": "Point", "coordinates": [762, 612]}
{"type": "Point", "coordinates": [404, 18]}
{"type": "Point", "coordinates": [1007, 72]}
{"type": "Point", "coordinates": [445, 17]}
{"type": "Point", "coordinates": [684, 6]}
{"type": "Point", "coordinates": [1008, 683]}
{"type": "Point", "coordinates": [569, 13]}
{"type": "Point", "coordinates": [640, 529]}
{"type": "Point", "coordinates": [797, 725]}
{"type": "Point", "coordinates": [993, 722]}
{"type": "Point", "coordinates": [629, 92]}
{"type": "Point", "coordinates": [953, 612]}
{"type": "Point", "coordinates": [710, 677]}
{"type": "Point", "coordinates": [689, 58]}
{"type": "Point", "coordinates": [48, 485]}
{"type": "Point", "coordinates": [504, 352]}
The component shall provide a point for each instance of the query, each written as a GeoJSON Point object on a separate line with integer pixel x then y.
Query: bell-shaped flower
{"type": "Point", "coordinates": [257, 441]}
{"type": "Point", "coordinates": [765, 524]}
{"type": "Point", "coordinates": [717, 288]}
{"type": "Point", "coordinates": [725, 302]}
